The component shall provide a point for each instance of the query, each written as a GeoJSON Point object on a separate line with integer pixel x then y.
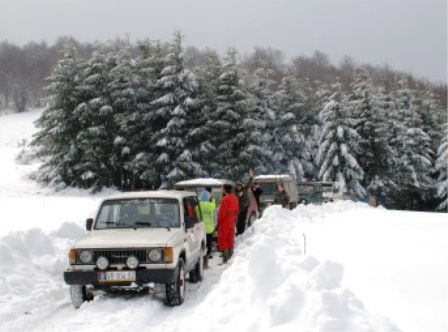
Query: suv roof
{"type": "Point", "coordinates": [203, 182]}
{"type": "Point", "coordinates": [153, 193]}
{"type": "Point", "coordinates": [273, 177]}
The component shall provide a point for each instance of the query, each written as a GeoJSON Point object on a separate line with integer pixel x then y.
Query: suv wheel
{"type": "Point", "coordinates": [175, 291]}
{"type": "Point", "coordinates": [79, 294]}
{"type": "Point", "coordinates": [198, 273]}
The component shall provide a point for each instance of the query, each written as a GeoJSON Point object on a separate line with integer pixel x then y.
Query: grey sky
{"type": "Point", "coordinates": [410, 35]}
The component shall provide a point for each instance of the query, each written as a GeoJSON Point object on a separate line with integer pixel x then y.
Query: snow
{"type": "Point", "coordinates": [272, 176]}
{"type": "Point", "coordinates": [203, 182]}
{"type": "Point", "coordinates": [334, 267]}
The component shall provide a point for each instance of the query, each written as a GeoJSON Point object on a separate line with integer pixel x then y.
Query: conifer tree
{"type": "Point", "coordinates": [177, 109]}
{"type": "Point", "coordinates": [234, 136]}
{"type": "Point", "coordinates": [58, 124]}
{"type": "Point", "coordinates": [123, 86]}
{"type": "Point", "coordinates": [414, 145]}
{"type": "Point", "coordinates": [339, 146]}
{"type": "Point", "coordinates": [290, 142]}
{"type": "Point", "coordinates": [442, 170]}
{"type": "Point", "coordinates": [375, 154]}
{"type": "Point", "coordinates": [97, 134]}
{"type": "Point", "coordinates": [148, 70]}
{"type": "Point", "coordinates": [263, 110]}
{"type": "Point", "coordinates": [208, 82]}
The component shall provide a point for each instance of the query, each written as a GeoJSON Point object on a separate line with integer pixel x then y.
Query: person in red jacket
{"type": "Point", "coordinates": [228, 212]}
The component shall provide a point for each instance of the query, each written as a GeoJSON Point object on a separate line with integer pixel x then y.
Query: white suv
{"type": "Point", "coordinates": [139, 238]}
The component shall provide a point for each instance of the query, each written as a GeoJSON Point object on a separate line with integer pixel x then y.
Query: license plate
{"type": "Point", "coordinates": [114, 276]}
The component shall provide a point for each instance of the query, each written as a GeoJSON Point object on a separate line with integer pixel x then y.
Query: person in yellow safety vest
{"type": "Point", "coordinates": [208, 208]}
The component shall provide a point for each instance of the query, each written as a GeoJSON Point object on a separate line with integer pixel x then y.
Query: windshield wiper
{"type": "Point", "coordinates": [143, 223]}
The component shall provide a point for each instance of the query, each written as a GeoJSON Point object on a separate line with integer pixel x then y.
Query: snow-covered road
{"type": "Point", "coordinates": [361, 265]}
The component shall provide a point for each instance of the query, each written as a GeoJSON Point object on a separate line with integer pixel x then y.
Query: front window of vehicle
{"type": "Point", "coordinates": [135, 213]}
{"type": "Point", "coordinates": [305, 188]}
{"type": "Point", "coordinates": [327, 188]}
{"type": "Point", "coordinates": [268, 188]}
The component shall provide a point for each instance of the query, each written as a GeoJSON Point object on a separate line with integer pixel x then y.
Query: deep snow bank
{"type": "Point", "coordinates": [271, 285]}
{"type": "Point", "coordinates": [31, 265]}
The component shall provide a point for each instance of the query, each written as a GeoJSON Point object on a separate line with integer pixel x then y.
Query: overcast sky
{"type": "Point", "coordinates": [409, 35]}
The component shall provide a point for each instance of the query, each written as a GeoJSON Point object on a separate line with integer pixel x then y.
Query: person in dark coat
{"type": "Point", "coordinates": [281, 196]}
{"type": "Point", "coordinates": [243, 203]}
{"type": "Point", "coordinates": [257, 193]}
{"type": "Point", "coordinates": [228, 211]}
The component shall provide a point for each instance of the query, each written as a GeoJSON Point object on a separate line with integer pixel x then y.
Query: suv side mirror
{"type": "Point", "coordinates": [189, 222]}
{"type": "Point", "coordinates": [89, 223]}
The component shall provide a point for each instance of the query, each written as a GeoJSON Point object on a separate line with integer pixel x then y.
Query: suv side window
{"type": "Point", "coordinates": [191, 209]}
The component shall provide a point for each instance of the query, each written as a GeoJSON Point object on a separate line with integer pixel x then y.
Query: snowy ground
{"type": "Point", "coordinates": [364, 269]}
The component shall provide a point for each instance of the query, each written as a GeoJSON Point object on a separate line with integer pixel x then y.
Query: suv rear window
{"type": "Point", "coordinates": [142, 212]}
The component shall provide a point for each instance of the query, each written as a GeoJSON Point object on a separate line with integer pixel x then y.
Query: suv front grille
{"type": "Point", "coordinates": [116, 256]}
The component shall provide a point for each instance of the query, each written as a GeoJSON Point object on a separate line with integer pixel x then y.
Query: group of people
{"type": "Point", "coordinates": [235, 213]}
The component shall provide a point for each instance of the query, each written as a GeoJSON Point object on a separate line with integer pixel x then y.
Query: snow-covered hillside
{"type": "Point", "coordinates": [337, 267]}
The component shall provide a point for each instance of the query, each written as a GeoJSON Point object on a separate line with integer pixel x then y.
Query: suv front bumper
{"type": "Point", "coordinates": [143, 276]}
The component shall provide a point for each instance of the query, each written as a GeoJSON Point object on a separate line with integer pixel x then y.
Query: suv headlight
{"type": "Point", "coordinates": [155, 255]}
{"type": "Point", "coordinates": [85, 256]}
{"type": "Point", "coordinates": [132, 262]}
{"type": "Point", "coordinates": [102, 263]}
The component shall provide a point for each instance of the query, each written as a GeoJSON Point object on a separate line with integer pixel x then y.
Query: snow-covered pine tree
{"type": "Point", "coordinates": [433, 116]}
{"type": "Point", "coordinates": [314, 96]}
{"type": "Point", "coordinates": [208, 79]}
{"type": "Point", "coordinates": [339, 145]}
{"type": "Point", "coordinates": [263, 114]}
{"type": "Point", "coordinates": [289, 141]}
{"type": "Point", "coordinates": [412, 155]}
{"type": "Point", "coordinates": [442, 170]}
{"type": "Point", "coordinates": [58, 124]}
{"type": "Point", "coordinates": [177, 108]}
{"type": "Point", "coordinates": [96, 116]}
{"type": "Point", "coordinates": [234, 136]}
{"type": "Point", "coordinates": [375, 155]}
{"type": "Point", "coordinates": [148, 69]}
{"type": "Point", "coordinates": [123, 86]}
{"type": "Point", "coordinates": [317, 95]}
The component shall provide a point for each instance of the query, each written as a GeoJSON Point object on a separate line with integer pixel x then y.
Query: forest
{"type": "Point", "coordinates": [145, 115]}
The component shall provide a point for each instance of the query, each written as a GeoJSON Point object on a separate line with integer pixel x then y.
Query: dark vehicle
{"type": "Point", "coordinates": [319, 192]}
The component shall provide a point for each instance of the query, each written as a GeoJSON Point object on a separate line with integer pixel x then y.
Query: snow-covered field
{"type": "Point", "coordinates": [336, 267]}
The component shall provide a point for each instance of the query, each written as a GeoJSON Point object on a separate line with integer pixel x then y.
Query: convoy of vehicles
{"type": "Point", "coordinates": [139, 238]}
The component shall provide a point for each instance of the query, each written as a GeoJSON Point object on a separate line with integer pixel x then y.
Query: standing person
{"type": "Point", "coordinates": [257, 193]}
{"type": "Point", "coordinates": [253, 208]}
{"type": "Point", "coordinates": [243, 203]}
{"type": "Point", "coordinates": [208, 208]}
{"type": "Point", "coordinates": [281, 196]}
{"type": "Point", "coordinates": [228, 211]}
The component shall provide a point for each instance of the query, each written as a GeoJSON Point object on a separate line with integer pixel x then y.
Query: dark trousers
{"type": "Point", "coordinates": [241, 222]}
{"type": "Point", "coordinates": [209, 244]}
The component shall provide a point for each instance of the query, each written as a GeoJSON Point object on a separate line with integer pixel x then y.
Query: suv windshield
{"type": "Point", "coordinates": [268, 188]}
{"type": "Point", "coordinates": [134, 213]}
{"type": "Point", "coordinates": [327, 188]}
{"type": "Point", "coordinates": [305, 188]}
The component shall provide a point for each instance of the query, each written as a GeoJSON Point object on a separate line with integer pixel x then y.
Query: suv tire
{"type": "Point", "coordinates": [79, 294]}
{"type": "Point", "coordinates": [197, 273]}
{"type": "Point", "coordinates": [175, 290]}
